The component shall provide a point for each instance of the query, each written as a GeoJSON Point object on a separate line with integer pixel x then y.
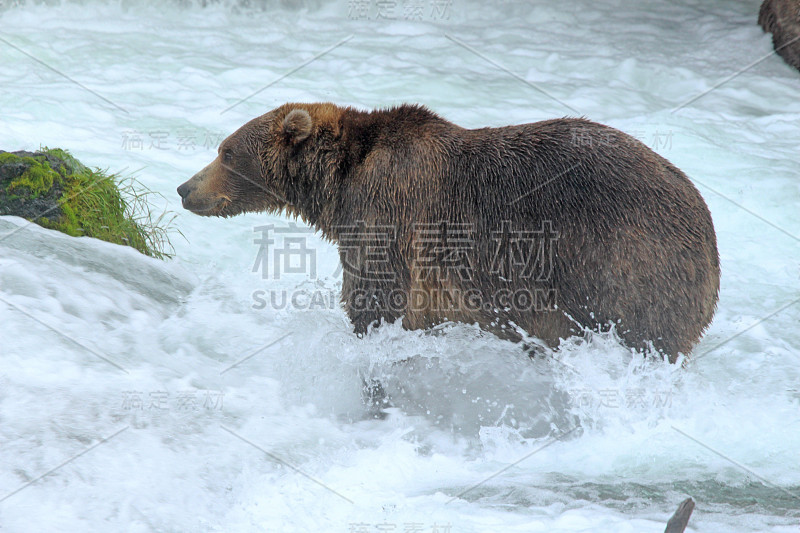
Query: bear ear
{"type": "Point", "coordinates": [297, 125]}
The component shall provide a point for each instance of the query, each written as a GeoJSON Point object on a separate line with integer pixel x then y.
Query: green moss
{"type": "Point", "coordinates": [89, 202]}
{"type": "Point", "coordinates": [8, 157]}
{"type": "Point", "coordinates": [37, 179]}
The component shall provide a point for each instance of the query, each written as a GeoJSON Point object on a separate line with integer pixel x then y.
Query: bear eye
{"type": "Point", "coordinates": [227, 156]}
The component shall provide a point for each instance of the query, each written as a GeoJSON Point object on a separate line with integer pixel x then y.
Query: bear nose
{"type": "Point", "coordinates": [184, 190]}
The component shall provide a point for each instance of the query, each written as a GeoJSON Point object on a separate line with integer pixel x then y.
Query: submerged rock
{"type": "Point", "coordinates": [679, 520]}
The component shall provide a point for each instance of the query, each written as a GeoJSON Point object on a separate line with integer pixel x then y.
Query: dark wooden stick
{"type": "Point", "coordinates": [678, 522]}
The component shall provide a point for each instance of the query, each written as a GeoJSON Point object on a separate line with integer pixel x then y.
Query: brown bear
{"type": "Point", "coordinates": [540, 229]}
{"type": "Point", "coordinates": [781, 18]}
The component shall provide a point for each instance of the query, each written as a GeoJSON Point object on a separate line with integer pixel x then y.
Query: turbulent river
{"type": "Point", "coordinates": [203, 394]}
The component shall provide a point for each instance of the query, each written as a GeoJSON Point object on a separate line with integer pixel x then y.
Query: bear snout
{"type": "Point", "coordinates": [197, 197]}
{"type": "Point", "coordinates": [184, 190]}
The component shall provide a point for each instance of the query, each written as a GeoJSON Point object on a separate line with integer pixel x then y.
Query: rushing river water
{"type": "Point", "coordinates": [199, 395]}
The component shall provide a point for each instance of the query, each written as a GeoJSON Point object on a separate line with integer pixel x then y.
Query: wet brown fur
{"type": "Point", "coordinates": [781, 18]}
{"type": "Point", "coordinates": [636, 246]}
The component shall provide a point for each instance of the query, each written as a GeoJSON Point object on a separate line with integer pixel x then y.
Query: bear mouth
{"type": "Point", "coordinates": [206, 209]}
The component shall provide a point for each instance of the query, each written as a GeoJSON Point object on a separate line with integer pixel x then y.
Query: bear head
{"type": "Point", "coordinates": [269, 164]}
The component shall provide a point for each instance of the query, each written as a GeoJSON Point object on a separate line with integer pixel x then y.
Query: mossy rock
{"type": "Point", "coordinates": [54, 190]}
